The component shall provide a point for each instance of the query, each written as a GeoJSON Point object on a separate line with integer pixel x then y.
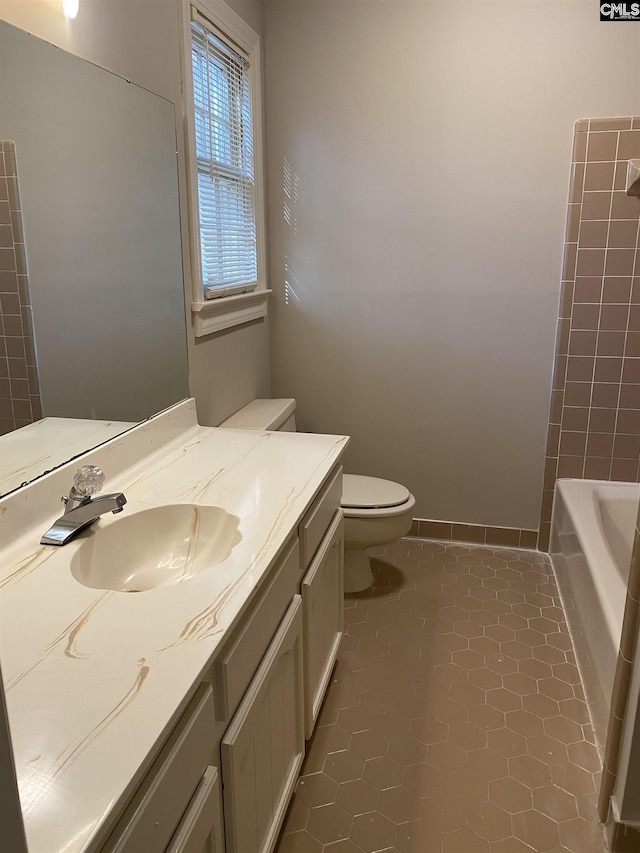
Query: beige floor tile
{"type": "Point", "coordinates": [455, 719]}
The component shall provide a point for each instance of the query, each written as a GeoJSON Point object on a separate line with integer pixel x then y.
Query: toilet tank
{"type": "Point", "coordinates": [264, 414]}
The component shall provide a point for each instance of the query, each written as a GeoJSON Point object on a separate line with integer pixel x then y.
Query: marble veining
{"type": "Point", "coordinates": [95, 679]}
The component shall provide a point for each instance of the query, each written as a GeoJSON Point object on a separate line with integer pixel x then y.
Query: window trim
{"type": "Point", "coordinates": [223, 312]}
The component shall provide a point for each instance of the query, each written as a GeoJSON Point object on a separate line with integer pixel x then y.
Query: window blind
{"type": "Point", "coordinates": [224, 156]}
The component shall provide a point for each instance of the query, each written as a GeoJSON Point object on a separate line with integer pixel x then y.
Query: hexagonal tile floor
{"type": "Point", "coordinates": [455, 721]}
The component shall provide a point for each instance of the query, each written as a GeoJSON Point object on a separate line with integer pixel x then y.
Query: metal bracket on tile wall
{"type": "Point", "coordinates": [633, 178]}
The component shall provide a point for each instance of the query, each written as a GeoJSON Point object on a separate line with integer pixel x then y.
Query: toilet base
{"type": "Point", "coordinates": [366, 530]}
{"type": "Point", "coordinates": [357, 570]}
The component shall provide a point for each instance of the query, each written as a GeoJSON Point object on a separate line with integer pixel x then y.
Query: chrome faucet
{"type": "Point", "coordinates": [80, 507]}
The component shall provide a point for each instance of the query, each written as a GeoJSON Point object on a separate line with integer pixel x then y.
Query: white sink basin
{"type": "Point", "coordinates": [155, 547]}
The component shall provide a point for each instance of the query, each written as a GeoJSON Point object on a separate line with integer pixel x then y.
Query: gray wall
{"type": "Point", "coordinates": [418, 165]}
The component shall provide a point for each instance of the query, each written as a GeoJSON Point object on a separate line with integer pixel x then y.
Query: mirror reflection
{"type": "Point", "coordinates": [91, 291]}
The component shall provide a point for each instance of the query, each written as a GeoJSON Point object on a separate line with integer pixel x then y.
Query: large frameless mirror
{"type": "Point", "coordinates": [91, 287]}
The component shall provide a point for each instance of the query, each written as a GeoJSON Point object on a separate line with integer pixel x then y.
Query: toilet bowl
{"type": "Point", "coordinates": [375, 511]}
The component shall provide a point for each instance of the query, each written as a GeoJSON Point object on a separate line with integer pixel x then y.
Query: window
{"type": "Point", "coordinates": [223, 121]}
{"type": "Point", "coordinates": [224, 156]}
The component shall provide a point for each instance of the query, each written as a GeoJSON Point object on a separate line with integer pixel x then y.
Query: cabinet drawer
{"type": "Point", "coordinates": [314, 525]}
{"type": "Point", "coordinates": [200, 829]}
{"type": "Point", "coordinates": [165, 793]}
{"type": "Point", "coordinates": [234, 668]}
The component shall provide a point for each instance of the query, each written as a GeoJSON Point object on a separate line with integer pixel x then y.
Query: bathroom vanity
{"type": "Point", "coordinates": [172, 718]}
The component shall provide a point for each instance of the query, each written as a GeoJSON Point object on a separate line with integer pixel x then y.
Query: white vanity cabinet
{"type": "Point", "coordinates": [223, 781]}
{"type": "Point", "coordinates": [164, 708]}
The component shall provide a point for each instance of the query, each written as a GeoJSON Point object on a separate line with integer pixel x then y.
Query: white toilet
{"type": "Point", "coordinates": [375, 511]}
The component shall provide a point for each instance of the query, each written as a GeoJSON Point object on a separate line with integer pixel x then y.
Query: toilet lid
{"type": "Point", "coordinates": [371, 492]}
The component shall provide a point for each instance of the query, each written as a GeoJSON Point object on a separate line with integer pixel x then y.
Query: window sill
{"type": "Point", "coordinates": [213, 315]}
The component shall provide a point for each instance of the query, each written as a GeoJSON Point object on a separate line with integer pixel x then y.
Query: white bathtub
{"type": "Point", "coordinates": [592, 532]}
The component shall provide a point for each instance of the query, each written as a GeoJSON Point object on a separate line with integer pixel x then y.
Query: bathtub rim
{"type": "Point", "coordinates": [593, 602]}
{"type": "Point", "coordinates": [579, 503]}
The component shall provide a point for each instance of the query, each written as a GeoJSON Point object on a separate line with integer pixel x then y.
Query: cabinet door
{"type": "Point", "coordinates": [323, 618]}
{"type": "Point", "coordinates": [200, 829]}
{"type": "Point", "coordinates": [263, 747]}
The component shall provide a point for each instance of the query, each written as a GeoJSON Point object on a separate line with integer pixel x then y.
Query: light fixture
{"type": "Point", "coordinates": [70, 7]}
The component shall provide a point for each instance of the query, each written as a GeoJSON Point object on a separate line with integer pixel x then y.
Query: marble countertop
{"type": "Point", "coordinates": [94, 678]}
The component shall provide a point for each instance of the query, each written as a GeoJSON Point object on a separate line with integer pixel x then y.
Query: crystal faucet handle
{"type": "Point", "coordinates": [88, 480]}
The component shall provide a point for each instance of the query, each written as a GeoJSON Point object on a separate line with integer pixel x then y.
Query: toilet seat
{"type": "Point", "coordinates": [372, 496]}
